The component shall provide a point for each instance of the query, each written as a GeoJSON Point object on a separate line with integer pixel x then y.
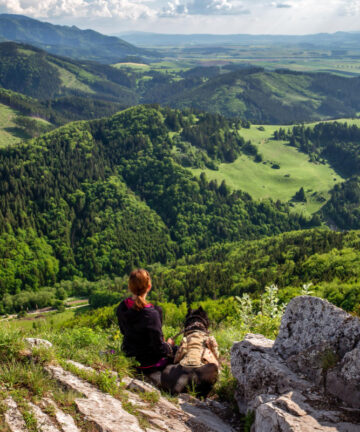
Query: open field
{"type": "Point", "coordinates": [69, 80]}
{"type": "Point", "coordinates": [270, 57]}
{"type": "Point", "coordinates": [53, 319]}
{"type": "Point", "coordinates": [10, 134]}
{"type": "Point", "coordinates": [262, 180]}
{"type": "Point", "coordinates": [140, 66]}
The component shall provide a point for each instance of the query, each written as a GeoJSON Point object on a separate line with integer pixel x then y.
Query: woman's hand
{"type": "Point", "coordinates": [171, 342]}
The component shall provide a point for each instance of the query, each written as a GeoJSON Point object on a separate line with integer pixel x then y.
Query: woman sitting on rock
{"type": "Point", "coordinates": [140, 322]}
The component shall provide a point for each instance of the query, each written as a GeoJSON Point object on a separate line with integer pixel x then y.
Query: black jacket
{"type": "Point", "coordinates": [143, 337]}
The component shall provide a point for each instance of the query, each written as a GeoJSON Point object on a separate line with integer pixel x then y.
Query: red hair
{"type": "Point", "coordinates": [139, 281]}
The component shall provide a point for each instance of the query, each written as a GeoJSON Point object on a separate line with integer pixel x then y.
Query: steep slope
{"type": "Point", "coordinates": [59, 110]}
{"type": "Point", "coordinates": [66, 41]}
{"type": "Point", "coordinates": [262, 96]}
{"type": "Point", "coordinates": [342, 211]}
{"type": "Point", "coordinates": [328, 260]}
{"type": "Point", "coordinates": [35, 73]}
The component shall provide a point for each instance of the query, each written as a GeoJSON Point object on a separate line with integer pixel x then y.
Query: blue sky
{"type": "Point", "coordinates": [195, 16]}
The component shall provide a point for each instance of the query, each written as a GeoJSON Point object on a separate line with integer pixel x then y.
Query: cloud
{"type": "Point", "coordinates": [123, 9]}
{"type": "Point", "coordinates": [204, 7]}
{"type": "Point", "coordinates": [219, 16]}
{"type": "Point", "coordinates": [349, 8]}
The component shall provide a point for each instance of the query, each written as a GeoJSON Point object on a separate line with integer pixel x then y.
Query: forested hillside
{"type": "Point", "coordinates": [33, 72]}
{"type": "Point", "coordinates": [339, 144]}
{"type": "Point", "coordinates": [329, 260]}
{"type": "Point", "coordinates": [61, 110]}
{"type": "Point", "coordinates": [262, 96]}
{"type": "Point", "coordinates": [97, 198]}
{"type": "Point", "coordinates": [66, 41]}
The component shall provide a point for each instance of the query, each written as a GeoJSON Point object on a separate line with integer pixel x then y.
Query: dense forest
{"type": "Point", "coordinates": [324, 261]}
{"type": "Point", "coordinates": [339, 144]}
{"type": "Point", "coordinates": [87, 202]}
{"type": "Point", "coordinates": [97, 198]}
{"type": "Point", "coordinates": [59, 111]}
{"type": "Point", "coordinates": [33, 72]}
{"type": "Point", "coordinates": [326, 258]}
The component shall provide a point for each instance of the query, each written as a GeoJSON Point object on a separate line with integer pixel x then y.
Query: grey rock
{"type": "Point", "coordinates": [66, 422]}
{"type": "Point", "coordinates": [140, 386]}
{"type": "Point", "coordinates": [284, 415]}
{"type": "Point", "coordinates": [43, 421]}
{"type": "Point", "coordinates": [310, 321]}
{"type": "Point", "coordinates": [36, 343]}
{"type": "Point", "coordinates": [343, 381]}
{"type": "Point", "coordinates": [13, 417]}
{"type": "Point", "coordinates": [259, 372]}
{"type": "Point", "coordinates": [107, 414]}
{"type": "Point", "coordinates": [202, 419]}
{"type": "Point", "coordinates": [102, 409]}
{"type": "Point", "coordinates": [290, 384]}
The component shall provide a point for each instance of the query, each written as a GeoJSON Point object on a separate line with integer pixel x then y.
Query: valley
{"type": "Point", "coordinates": [281, 173]}
{"type": "Point", "coordinates": [226, 165]}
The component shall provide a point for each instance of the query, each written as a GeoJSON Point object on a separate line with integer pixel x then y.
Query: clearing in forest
{"type": "Point", "coordinates": [282, 172]}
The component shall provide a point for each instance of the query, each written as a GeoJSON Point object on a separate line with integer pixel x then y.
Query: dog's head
{"type": "Point", "coordinates": [196, 319]}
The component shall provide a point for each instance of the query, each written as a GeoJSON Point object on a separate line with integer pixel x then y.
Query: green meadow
{"type": "Point", "coordinates": [10, 133]}
{"type": "Point", "coordinates": [139, 66]}
{"type": "Point", "coordinates": [283, 171]}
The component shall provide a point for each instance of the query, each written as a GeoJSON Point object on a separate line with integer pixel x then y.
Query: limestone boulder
{"type": "Point", "coordinates": [311, 321]}
{"type": "Point", "coordinates": [309, 378]}
{"type": "Point", "coordinates": [260, 372]}
{"type": "Point", "coordinates": [343, 381]}
{"type": "Point", "coordinates": [38, 343]}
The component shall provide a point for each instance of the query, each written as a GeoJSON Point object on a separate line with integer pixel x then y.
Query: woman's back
{"type": "Point", "coordinates": [143, 337]}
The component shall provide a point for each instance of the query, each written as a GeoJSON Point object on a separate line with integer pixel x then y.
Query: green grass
{"type": "Point", "coordinates": [10, 134]}
{"type": "Point", "coordinates": [53, 320]}
{"type": "Point", "coordinates": [69, 80]}
{"type": "Point", "coordinates": [261, 181]}
{"type": "Point", "coordinates": [139, 66]}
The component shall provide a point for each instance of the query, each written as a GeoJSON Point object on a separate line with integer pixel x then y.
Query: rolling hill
{"type": "Point", "coordinates": [274, 97]}
{"type": "Point", "coordinates": [66, 41]}
{"type": "Point", "coordinates": [33, 72]}
{"type": "Point", "coordinates": [100, 197]}
{"type": "Point", "coordinates": [255, 94]}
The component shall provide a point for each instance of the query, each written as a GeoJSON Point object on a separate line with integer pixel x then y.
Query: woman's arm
{"type": "Point", "coordinates": [156, 336]}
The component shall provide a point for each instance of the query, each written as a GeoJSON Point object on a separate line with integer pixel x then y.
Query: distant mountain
{"type": "Point", "coordinates": [262, 96]}
{"type": "Point", "coordinates": [255, 94]}
{"type": "Point", "coordinates": [66, 41]}
{"type": "Point", "coordinates": [333, 40]}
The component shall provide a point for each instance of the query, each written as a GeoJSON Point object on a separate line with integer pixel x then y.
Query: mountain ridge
{"type": "Point", "coordinates": [65, 40]}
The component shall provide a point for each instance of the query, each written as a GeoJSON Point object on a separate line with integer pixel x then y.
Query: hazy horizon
{"type": "Point", "coordinates": [254, 17]}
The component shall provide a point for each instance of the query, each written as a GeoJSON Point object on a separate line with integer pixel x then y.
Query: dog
{"type": "Point", "coordinates": [196, 363]}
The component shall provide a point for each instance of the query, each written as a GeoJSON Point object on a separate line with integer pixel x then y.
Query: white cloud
{"type": "Point", "coordinates": [123, 9]}
{"type": "Point", "coordinates": [349, 8]}
{"type": "Point", "coordinates": [219, 16]}
{"type": "Point", "coordinates": [204, 7]}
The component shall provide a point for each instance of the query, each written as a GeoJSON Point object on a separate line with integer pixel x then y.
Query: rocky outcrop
{"type": "Point", "coordinates": [309, 378]}
{"type": "Point", "coordinates": [13, 417]}
{"type": "Point", "coordinates": [138, 405]}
